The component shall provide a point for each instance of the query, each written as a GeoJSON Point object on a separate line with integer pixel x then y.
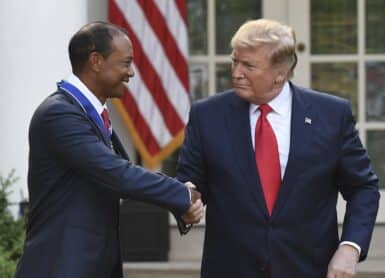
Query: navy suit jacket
{"type": "Point", "coordinates": [75, 181]}
{"type": "Point", "coordinates": [299, 239]}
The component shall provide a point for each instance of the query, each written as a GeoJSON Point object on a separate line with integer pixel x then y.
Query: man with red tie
{"type": "Point", "coordinates": [270, 158]}
{"type": "Point", "coordinates": [78, 169]}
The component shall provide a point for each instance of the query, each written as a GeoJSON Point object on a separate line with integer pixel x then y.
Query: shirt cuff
{"type": "Point", "coordinates": [355, 245]}
{"type": "Point", "coordinates": [189, 193]}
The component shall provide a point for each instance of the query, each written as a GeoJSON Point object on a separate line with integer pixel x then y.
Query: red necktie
{"type": "Point", "coordinates": [267, 158]}
{"type": "Point", "coordinates": [106, 120]}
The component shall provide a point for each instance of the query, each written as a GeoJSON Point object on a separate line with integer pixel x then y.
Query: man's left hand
{"type": "Point", "coordinates": [344, 262]}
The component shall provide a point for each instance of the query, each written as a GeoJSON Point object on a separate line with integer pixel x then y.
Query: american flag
{"type": "Point", "coordinates": [155, 107]}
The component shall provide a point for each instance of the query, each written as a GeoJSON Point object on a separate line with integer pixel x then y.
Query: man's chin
{"type": "Point", "coordinates": [120, 92]}
{"type": "Point", "coordinates": [118, 95]}
{"type": "Point", "coordinates": [245, 94]}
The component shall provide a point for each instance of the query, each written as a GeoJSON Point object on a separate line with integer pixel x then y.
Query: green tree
{"type": "Point", "coordinates": [11, 231]}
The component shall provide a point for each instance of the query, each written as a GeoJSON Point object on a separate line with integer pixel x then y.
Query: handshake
{"type": "Point", "coordinates": [195, 213]}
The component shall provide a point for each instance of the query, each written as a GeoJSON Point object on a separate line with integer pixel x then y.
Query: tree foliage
{"type": "Point", "coordinates": [12, 230]}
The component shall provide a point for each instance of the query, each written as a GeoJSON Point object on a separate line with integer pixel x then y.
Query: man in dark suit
{"type": "Point", "coordinates": [78, 169]}
{"type": "Point", "coordinates": [269, 159]}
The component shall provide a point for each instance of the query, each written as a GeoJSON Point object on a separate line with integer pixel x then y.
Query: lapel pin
{"type": "Point", "coordinates": [307, 121]}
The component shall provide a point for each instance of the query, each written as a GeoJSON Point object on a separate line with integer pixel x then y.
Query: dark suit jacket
{"type": "Point", "coordinates": [299, 239]}
{"type": "Point", "coordinates": [75, 181]}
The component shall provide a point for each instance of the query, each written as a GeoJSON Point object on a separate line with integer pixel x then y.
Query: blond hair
{"type": "Point", "coordinates": [281, 38]}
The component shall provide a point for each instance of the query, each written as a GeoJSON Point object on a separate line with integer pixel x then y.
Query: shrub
{"type": "Point", "coordinates": [12, 231]}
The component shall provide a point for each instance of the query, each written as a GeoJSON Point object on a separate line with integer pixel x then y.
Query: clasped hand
{"type": "Point", "coordinates": [343, 263]}
{"type": "Point", "coordinates": [195, 213]}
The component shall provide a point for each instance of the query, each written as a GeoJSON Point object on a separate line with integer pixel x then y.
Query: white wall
{"type": "Point", "coordinates": [33, 46]}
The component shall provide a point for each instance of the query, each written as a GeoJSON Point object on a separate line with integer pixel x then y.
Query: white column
{"type": "Point", "coordinates": [34, 36]}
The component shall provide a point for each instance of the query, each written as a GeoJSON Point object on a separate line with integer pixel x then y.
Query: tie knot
{"type": "Point", "coordinates": [105, 115]}
{"type": "Point", "coordinates": [265, 109]}
{"type": "Point", "coordinates": [106, 119]}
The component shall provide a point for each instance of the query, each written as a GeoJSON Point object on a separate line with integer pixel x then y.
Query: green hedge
{"type": "Point", "coordinates": [12, 231]}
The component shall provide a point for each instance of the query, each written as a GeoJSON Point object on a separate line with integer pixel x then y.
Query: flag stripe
{"type": "Point", "coordinates": [181, 4]}
{"type": "Point", "coordinates": [175, 23]}
{"type": "Point", "coordinates": [151, 47]}
{"type": "Point", "coordinates": [148, 107]}
{"type": "Point", "coordinates": [156, 104]}
{"type": "Point", "coordinates": [172, 119]}
{"type": "Point", "coordinates": [141, 125]}
{"type": "Point", "coordinates": [171, 49]}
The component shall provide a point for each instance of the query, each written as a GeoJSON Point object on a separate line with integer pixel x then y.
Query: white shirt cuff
{"type": "Point", "coordinates": [189, 193]}
{"type": "Point", "coordinates": [352, 244]}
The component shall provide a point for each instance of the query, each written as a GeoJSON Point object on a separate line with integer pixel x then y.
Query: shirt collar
{"type": "Point", "coordinates": [74, 80]}
{"type": "Point", "coordinates": [280, 104]}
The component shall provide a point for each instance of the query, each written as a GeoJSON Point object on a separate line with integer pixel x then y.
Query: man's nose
{"type": "Point", "coordinates": [131, 72]}
{"type": "Point", "coordinates": [237, 72]}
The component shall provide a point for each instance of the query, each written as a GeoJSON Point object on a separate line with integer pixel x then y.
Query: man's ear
{"type": "Point", "coordinates": [95, 59]}
{"type": "Point", "coordinates": [279, 79]}
{"type": "Point", "coordinates": [282, 75]}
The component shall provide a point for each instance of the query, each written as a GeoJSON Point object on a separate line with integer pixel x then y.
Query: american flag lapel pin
{"type": "Point", "coordinates": [307, 121]}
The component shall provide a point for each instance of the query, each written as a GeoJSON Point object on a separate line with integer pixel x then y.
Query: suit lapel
{"type": "Point", "coordinates": [238, 126]}
{"type": "Point", "coordinates": [101, 133]}
{"type": "Point", "coordinates": [300, 134]}
{"type": "Point", "coordinates": [118, 147]}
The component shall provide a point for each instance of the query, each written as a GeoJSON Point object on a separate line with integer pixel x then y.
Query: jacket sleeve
{"type": "Point", "coordinates": [358, 186]}
{"type": "Point", "coordinates": [73, 141]}
{"type": "Point", "coordinates": [191, 163]}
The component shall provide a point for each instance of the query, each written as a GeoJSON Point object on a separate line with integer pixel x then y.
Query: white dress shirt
{"type": "Point", "coordinates": [99, 107]}
{"type": "Point", "coordinates": [280, 121]}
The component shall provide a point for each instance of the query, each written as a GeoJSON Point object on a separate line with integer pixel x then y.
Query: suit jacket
{"type": "Point", "coordinates": [75, 181]}
{"type": "Point", "coordinates": [299, 239]}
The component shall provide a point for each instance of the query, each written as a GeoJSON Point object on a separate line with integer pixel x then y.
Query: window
{"type": "Point", "coordinates": [212, 23]}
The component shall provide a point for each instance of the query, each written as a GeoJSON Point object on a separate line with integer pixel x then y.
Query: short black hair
{"type": "Point", "coordinates": [95, 36]}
